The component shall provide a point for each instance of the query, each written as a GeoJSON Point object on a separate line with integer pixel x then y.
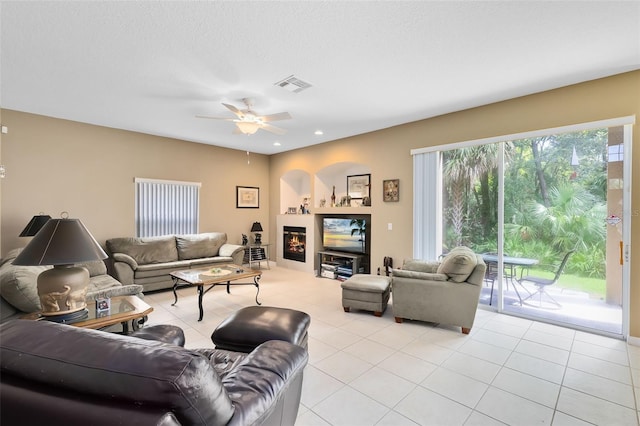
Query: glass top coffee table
{"type": "Point", "coordinates": [123, 309]}
{"type": "Point", "coordinates": [212, 276]}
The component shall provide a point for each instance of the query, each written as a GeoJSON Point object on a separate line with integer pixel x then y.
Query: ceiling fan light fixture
{"type": "Point", "coordinates": [248, 127]}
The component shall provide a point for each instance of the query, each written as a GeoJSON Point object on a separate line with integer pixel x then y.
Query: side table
{"type": "Point", "coordinates": [257, 253]}
{"type": "Point", "coordinates": [123, 309]}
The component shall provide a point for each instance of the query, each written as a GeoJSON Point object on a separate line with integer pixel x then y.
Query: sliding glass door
{"type": "Point", "coordinates": [547, 212]}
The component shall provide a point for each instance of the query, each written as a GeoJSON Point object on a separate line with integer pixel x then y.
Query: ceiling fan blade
{"type": "Point", "coordinates": [233, 109]}
{"type": "Point", "coordinates": [276, 117]}
{"type": "Point", "coordinates": [215, 118]}
{"type": "Point", "coordinates": [273, 129]}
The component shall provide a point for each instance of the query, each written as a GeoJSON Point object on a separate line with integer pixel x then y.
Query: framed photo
{"type": "Point", "coordinates": [358, 186]}
{"type": "Point", "coordinates": [292, 210]}
{"type": "Point", "coordinates": [247, 197]}
{"type": "Point", "coordinates": [103, 304]}
{"type": "Point", "coordinates": [391, 190]}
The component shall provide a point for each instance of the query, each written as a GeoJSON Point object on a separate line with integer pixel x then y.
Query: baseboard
{"type": "Point", "coordinates": [635, 341]}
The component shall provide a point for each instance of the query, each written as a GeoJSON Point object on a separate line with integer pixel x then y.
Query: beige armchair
{"type": "Point", "coordinates": [445, 292]}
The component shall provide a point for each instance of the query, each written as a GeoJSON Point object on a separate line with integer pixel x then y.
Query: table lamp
{"type": "Point", "coordinates": [35, 224]}
{"type": "Point", "coordinates": [257, 228]}
{"type": "Point", "coordinates": [62, 290]}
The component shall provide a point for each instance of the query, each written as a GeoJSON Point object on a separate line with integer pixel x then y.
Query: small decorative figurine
{"type": "Point", "coordinates": [245, 240]}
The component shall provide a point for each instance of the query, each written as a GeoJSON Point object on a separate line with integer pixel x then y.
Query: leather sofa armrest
{"type": "Point", "coordinates": [232, 250]}
{"type": "Point", "coordinates": [266, 377]}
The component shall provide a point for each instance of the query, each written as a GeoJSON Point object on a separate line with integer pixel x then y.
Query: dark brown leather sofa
{"type": "Point", "coordinates": [62, 375]}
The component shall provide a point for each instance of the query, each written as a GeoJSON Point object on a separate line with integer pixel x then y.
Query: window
{"type": "Point", "coordinates": [166, 207]}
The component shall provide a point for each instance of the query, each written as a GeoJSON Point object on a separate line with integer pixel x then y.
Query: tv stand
{"type": "Point", "coordinates": [338, 265]}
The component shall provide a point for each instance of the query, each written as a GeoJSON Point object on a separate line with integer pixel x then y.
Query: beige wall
{"type": "Point", "coordinates": [57, 165]}
{"type": "Point", "coordinates": [387, 152]}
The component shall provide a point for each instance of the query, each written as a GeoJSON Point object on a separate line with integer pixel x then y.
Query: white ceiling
{"type": "Point", "coordinates": [152, 66]}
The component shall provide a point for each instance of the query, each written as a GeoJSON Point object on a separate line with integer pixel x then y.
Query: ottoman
{"type": "Point", "coordinates": [250, 327]}
{"type": "Point", "coordinates": [367, 292]}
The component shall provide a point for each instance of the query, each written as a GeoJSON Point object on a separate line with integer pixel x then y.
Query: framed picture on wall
{"type": "Point", "coordinates": [358, 186]}
{"type": "Point", "coordinates": [247, 197]}
{"type": "Point", "coordinates": [391, 190]}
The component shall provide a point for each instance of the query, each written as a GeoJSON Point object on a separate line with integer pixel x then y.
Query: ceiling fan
{"type": "Point", "coordinates": [248, 122]}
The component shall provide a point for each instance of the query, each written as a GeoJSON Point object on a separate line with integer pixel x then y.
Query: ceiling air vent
{"type": "Point", "coordinates": [293, 84]}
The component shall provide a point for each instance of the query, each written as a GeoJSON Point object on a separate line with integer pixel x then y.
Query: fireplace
{"type": "Point", "coordinates": [294, 243]}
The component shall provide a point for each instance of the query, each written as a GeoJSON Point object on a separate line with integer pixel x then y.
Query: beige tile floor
{"type": "Point", "coordinates": [365, 370]}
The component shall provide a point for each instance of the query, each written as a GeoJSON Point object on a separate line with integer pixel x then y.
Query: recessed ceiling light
{"type": "Point", "coordinates": [276, 144]}
{"type": "Point", "coordinates": [318, 132]}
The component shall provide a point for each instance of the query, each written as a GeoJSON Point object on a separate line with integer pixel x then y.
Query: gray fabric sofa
{"type": "Point", "coordinates": [149, 261]}
{"type": "Point", "coordinates": [444, 292]}
{"type": "Point", "coordinates": [19, 292]}
{"type": "Point", "coordinates": [125, 380]}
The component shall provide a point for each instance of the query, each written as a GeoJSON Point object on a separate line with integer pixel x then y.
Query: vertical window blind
{"type": "Point", "coordinates": [166, 207]}
{"type": "Point", "coordinates": [427, 205]}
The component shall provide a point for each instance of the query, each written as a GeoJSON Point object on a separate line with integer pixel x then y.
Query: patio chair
{"type": "Point", "coordinates": [543, 283]}
{"type": "Point", "coordinates": [492, 274]}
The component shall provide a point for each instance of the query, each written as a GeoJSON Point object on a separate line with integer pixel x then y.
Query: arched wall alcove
{"type": "Point", "coordinates": [295, 186]}
{"type": "Point", "coordinates": [335, 175]}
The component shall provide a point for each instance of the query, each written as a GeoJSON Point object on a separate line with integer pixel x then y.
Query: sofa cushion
{"type": "Point", "coordinates": [146, 250]}
{"type": "Point", "coordinates": [195, 246]}
{"type": "Point", "coordinates": [206, 261]}
{"type": "Point", "coordinates": [95, 268]}
{"type": "Point", "coordinates": [458, 264]}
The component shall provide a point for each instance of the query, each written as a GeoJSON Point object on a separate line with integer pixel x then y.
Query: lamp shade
{"type": "Point", "coordinates": [35, 224]}
{"type": "Point", "coordinates": [256, 227]}
{"type": "Point", "coordinates": [61, 242]}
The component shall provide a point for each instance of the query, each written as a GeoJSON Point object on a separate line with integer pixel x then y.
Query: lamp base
{"type": "Point", "coordinates": [68, 318]}
{"type": "Point", "coordinates": [63, 289]}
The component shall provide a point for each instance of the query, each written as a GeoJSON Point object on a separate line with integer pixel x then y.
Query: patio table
{"type": "Point", "coordinates": [511, 262]}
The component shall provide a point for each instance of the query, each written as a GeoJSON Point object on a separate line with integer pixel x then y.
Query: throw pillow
{"type": "Point", "coordinates": [458, 264]}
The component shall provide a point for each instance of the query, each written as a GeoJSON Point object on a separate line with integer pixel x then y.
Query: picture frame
{"type": "Point", "coordinates": [358, 186]}
{"type": "Point", "coordinates": [247, 197]}
{"type": "Point", "coordinates": [103, 304]}
{"type": "Point", "coordinates": [292, 210]}
{"type": "Point", "coordinates": [391, 190]}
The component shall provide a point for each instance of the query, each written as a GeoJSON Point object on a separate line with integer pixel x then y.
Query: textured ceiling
{"type": "Point", "coordinates": [153, 66]}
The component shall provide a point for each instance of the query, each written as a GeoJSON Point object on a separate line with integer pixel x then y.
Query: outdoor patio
{"type": "Point", "coordinates": [576, 307]}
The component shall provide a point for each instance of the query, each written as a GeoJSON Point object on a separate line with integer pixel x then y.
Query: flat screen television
{"type": "Point", "coordinates": [344, 234]}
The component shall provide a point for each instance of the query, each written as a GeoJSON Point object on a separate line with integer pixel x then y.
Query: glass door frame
{"type": "Point", "coordinates": [625, 122]}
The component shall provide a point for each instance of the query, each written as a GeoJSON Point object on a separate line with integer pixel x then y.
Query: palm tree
{"type": "Point", "coordinates": [462, 167]}
{"type": "Point", "coordinates": [360, 229]}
